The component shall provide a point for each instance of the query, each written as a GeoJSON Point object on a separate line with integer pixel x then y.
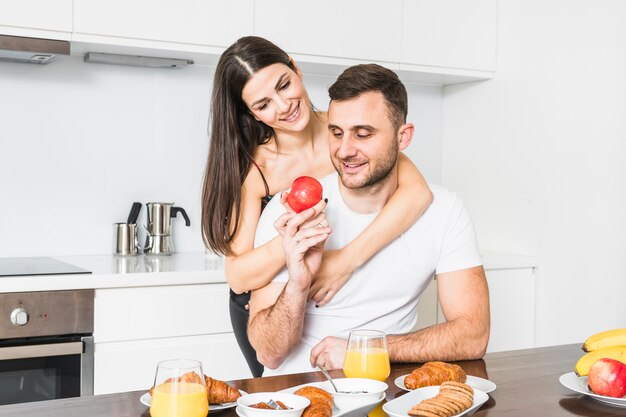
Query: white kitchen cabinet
{"type": "Point", "coordinates": [512, 305]}
{"type": "Point", "coordinates": [427, 307]}
{"type": "Point", "coordinates": [163, 311]}
{"type": "Point", "coordinates": [432, 42]}
{"type": "Point", "coordinates": [50, 19]}
{"type": "Point", "coordinates": [512, 301]}
{"type": "Point", "coordinates": [368, 30]}
{"type": "Point", "coordinates": [130, 366]}
{"type": "Point", "coordinates": [134, 328]}
{"type": "Point", "coordinates": [184, 22]}
{"type": "Point", "coordinates": [450, 33]}
{"type": "Point", "coordinates": [511, 281]}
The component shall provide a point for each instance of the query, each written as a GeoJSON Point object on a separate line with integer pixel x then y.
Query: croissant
{"type": "Point", "coordinates": [321, 402]}
{"type": "Point", "coordinates": [220, 391]}
{"type": "Point", "coordinates": [188, 377]}
{"type": "Point", "coordinates": [434, 373]}
{"type": "Point", "coordinates": [191, 377]}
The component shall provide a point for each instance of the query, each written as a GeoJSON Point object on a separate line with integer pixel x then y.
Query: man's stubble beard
{"type": "Point", "coordinates": [378, 176]}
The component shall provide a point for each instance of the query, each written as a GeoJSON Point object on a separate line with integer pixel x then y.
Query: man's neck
{"type": "Point", "coordinates": [370, 199]}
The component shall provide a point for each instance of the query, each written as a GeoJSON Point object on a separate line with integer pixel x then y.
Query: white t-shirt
{"type": "Point", "coordinates": [384, 292]}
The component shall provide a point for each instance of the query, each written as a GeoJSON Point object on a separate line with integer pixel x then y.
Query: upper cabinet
{"type": "Point", "coordinates": [450, 33]}
{"type": "Point", "coordinates": [428, 41]}
{"type": "Point", "coordinates": [167, 24]}
{"type": "Point", "coordinates": [36, 18]}
{"type": "Point", "coordinates": [353, 29]}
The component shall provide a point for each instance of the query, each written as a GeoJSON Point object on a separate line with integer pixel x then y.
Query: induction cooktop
{"type": "Point", "coordinates": [37, 266]}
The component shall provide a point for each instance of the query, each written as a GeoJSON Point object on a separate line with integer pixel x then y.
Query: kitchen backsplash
{"type": "Point", "coordinates": [80, 142]}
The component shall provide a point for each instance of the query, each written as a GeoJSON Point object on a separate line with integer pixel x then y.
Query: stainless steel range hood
{"type": "Point", "coordinates": [31, 50]}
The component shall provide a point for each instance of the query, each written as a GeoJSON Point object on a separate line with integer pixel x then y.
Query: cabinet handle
{"type": "Point", "coordinates": [41, 351]}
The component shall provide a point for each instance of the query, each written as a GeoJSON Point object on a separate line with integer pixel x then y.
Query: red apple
{"type": "Point", "coordinates": [305, 193]}
{"type": "Point", "coordinates": [608, 377]}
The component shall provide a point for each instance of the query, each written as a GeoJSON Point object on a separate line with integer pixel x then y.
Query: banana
{"type": "Point", "coordinates": [588, 359]}
{"type": "Point", "coordinates": [608, 338]}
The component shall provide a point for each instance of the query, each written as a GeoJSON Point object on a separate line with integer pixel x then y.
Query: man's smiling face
{"type": "Point", "coordinates": [363, 143]}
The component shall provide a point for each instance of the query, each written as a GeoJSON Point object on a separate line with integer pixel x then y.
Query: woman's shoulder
{"type": "Point", "coordinates": [261, 152]}
{"type": "Point", "coordinates": [254, 183]}
{"type": "Point", "coordinates": [264, 154]}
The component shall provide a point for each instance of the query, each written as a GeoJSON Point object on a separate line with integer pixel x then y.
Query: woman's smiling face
{"type": "Point", "coordinates": [276, 96]}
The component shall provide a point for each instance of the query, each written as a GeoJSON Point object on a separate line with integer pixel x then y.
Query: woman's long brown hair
{"type": "Point", "coordinates": [234, 136]}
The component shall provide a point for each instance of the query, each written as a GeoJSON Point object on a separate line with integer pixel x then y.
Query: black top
{"type": "Point", "coordinates": [266, 199]}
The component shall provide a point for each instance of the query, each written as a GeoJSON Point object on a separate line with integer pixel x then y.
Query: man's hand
{"type": "Point", "coordinates": [303, 246]}
{"type": "Point", "coordinates": [317, 220]}
{"type": "Point", "coordinates": [329, 353]}
{"type": "Point", "coordinates": [277, 310]}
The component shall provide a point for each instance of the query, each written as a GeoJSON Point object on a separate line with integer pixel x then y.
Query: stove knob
{"type": "Point", "coordinates": [19, 317]}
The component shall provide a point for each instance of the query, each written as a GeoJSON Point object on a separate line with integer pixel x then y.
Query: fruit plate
{"type": "Point", "coordinates": [401, 405]}
{"type": "Point", "coordinates": [579, 384]}
{"type": "Point", "coordinates": [475, 382]}
{"type": "Point", "coordinates": [146, 399]}
{"type": "Point", "coordinates": [354, 412]}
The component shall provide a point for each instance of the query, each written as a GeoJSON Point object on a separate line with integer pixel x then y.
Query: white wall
{"type": "Point", "coordinates": [539, 155]}
{"type": "Point", "coordinates": [80, 142]}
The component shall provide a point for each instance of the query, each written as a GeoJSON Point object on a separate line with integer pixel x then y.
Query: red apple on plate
{"type": "Point", "coordinates": [608, 377]}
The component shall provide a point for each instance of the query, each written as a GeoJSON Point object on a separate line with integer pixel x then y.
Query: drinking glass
{"type": "Point", "coordinates": [367, 355]}
{"type": "Point", "coordinates": [179, 390]}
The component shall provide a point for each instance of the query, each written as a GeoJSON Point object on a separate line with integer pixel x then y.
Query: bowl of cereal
{"type": "Point", "coordinates": [355, 392]}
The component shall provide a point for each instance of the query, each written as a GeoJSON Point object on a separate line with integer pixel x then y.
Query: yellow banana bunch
{"type": "Point", "coordinates": [608, 338]}
{"type": "Point", "coordinates": [588, 359]}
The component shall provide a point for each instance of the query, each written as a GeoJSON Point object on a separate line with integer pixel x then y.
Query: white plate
{"type": "Point", "coordinates": [355, 412]}
{"type": "Point", "coordinates": [579, 384]}
{"type": "Point", "coordinates": [475, 382]}
{"type": "Point", "coordinates": [401, 406]}
{"type": "Point", "coordinates": [146, 398]}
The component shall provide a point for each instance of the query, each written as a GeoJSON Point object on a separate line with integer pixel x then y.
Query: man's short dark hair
{"type": "Point", "coordinates": [364, 78]}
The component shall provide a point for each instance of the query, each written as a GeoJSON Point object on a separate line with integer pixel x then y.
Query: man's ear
{"type": "Point", "coordinates": [297, 69]}
{"type": "Point", "coordinates": [405, 135]}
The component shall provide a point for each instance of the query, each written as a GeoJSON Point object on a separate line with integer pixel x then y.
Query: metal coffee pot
{"type": "Point", "coordinates": [159, 237]}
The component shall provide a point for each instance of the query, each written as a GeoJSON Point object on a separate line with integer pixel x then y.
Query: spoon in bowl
{"type": "Point", "coordinates": [274, 405]}
{"type": "Point", "coordinates": [328, 377]}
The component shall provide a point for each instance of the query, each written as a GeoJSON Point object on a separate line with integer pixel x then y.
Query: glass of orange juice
{"type": "Point", "coordinates": [179, 390]}
{"type": "Point", "coordinates": [367, 355]}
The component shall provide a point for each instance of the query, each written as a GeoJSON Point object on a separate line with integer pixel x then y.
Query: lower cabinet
{"type": "Point", "coordinates": [512, 304]}
{"type": "Point", "coordinates": [130, 366]}
{"type": "Point", "coordinates": [135, 328]}
{"type": "Point", "coordinates": [427, 308]}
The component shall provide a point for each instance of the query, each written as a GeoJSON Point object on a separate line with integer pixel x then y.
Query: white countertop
{"type": "Point", "coordinates": [498, 260]}
{"type": "Point", "coordinates": [110, 271]}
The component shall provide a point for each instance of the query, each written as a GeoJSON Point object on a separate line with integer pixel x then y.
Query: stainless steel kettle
{"type": "Point", "coordinates": [159, 237]}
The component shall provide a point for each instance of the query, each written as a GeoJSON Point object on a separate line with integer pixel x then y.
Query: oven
{"type": "Point", "coordinates": [46, 345]}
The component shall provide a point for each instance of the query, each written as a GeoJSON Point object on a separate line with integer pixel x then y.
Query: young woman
{"type": "Point", "coordinates": [265, 133]}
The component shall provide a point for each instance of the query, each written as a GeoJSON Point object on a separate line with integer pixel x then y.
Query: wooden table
{"type": "Point", "coordinates": [528, 385]}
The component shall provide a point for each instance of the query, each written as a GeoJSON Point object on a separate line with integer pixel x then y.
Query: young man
{"type": "Point", "coordinates": [367, 128]}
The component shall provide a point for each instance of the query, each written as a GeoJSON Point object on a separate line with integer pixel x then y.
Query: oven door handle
{"type": "Point", "coordinates": [41, 351]}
